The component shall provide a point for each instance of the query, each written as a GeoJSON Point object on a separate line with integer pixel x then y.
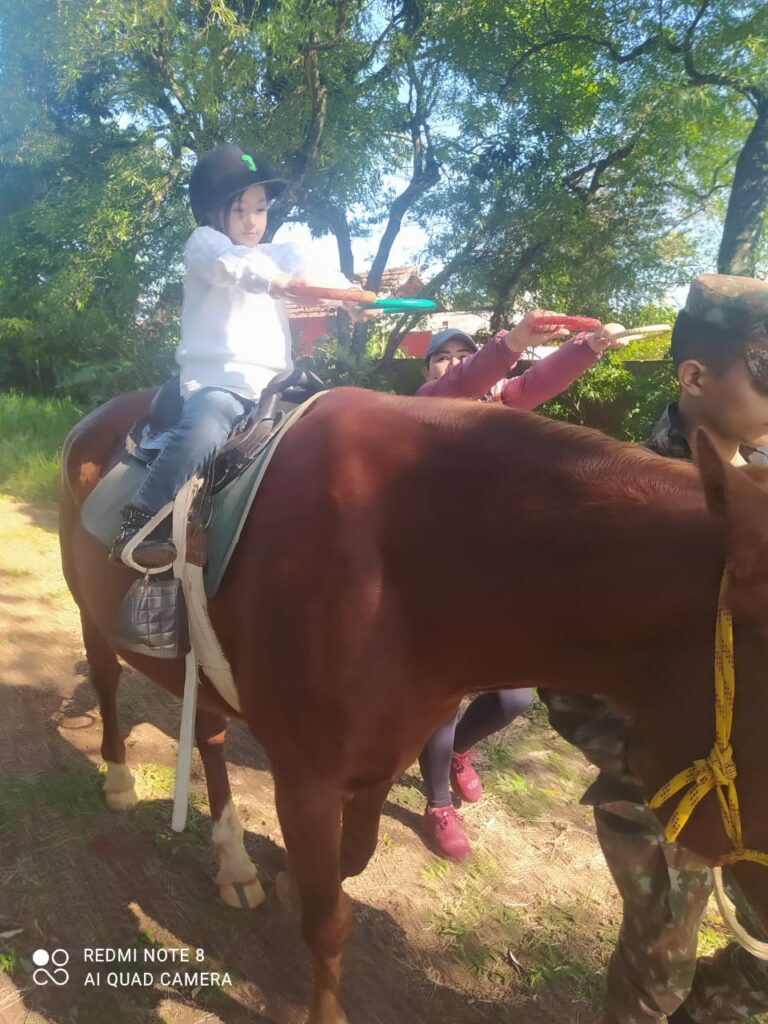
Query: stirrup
{"type": "Point", "coordinates": [137, 550]}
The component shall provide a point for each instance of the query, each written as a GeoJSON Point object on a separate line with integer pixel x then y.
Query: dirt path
{"type": "Point", "coordinates": [519, 934]}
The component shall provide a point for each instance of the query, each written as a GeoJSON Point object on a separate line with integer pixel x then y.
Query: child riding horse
{"type": "Point", "coordinates": [234, 329]}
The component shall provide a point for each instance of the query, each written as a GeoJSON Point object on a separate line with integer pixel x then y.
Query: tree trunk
{"type": "Point", "coordinates": [509, 286]}
{"type": "Point", "coordinates": [749, 197]}
{"type": "Point", "coordinates": [359, 340]}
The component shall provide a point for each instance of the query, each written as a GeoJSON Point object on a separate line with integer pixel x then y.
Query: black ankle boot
{"type": "Point", "coordinates": [152, 553]}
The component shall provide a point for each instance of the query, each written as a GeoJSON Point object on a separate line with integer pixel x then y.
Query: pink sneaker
{"type": "Point", "coordinates": [443, 831]}
{"type": "Point", "coordinates": [464, 779]}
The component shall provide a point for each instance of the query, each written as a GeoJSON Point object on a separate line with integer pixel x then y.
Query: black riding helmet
{"type": "Point", "coordinates": [224, 171]}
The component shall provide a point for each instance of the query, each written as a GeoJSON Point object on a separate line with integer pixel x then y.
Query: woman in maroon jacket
{"type": "Point", "coordinates": [456, 367]}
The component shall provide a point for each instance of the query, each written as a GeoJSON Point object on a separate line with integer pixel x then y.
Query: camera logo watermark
{"type": "Point", "coordinates": [145, 966]}
{"type": "Point", "coordinates": [57, 960]}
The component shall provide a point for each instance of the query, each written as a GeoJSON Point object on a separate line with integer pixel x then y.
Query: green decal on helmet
{"type": "Point", "coordinates": [249, 160]}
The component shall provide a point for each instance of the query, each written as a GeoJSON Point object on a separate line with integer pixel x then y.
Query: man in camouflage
{"type": "Point", "coordinates": [720, 351]}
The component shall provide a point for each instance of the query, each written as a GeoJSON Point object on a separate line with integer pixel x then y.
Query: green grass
{"type": "Point", "coordinates": [10, 960]}
{"type": "Point", "coordinates": [519, 795]}
{"type": "Point", "coordinates": [32, 431]}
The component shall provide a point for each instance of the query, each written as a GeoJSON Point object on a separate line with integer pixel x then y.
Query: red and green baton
{"type": "Point", "coordinates": [365, 299]}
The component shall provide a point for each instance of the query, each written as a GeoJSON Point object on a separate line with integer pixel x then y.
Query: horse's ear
{"type": "Point", "coordinates": [742, 506]}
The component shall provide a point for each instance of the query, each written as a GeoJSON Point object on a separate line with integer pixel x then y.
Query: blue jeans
{"type": "Point", "coordinates": [206, 421]}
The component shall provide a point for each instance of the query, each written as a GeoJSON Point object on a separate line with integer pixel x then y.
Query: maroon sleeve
{"type": "Point", "coordinates": [475, 374]}
{"type": "Point", "coordinates": [548, 377]}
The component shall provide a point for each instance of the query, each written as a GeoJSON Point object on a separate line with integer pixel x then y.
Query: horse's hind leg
{"type": "Point", "coordinates": [236, 875]}
{"type": "Point", "coordinates": [310, 817]}
{"type": "Point", "coordinates": [119, 791]}
{"type": "Point", "coordinates": [360, 828]}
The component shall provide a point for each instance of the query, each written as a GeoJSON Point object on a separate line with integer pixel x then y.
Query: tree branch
{"type": "Point", "coordinates": [596, 168]}
{"type": "Point", "coordinates": [561, 38]}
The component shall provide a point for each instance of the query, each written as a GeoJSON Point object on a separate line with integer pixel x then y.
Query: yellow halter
{"type": "Point", "coordinates": [718, 771]}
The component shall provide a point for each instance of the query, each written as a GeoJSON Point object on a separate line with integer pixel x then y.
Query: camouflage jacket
{"type": "Point", "coordinates": [667, 437]}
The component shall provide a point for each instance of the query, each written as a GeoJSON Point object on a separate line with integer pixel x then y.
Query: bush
{"type": "Point", "coordinates": [32, 431]}
{"type": "Point", "coordinates": [607, 383]}
{"type": "Point", "coordinates": [620, 397]}
{"type": "Point", "coordinates": [337, 367]}
{"type": "Point", "coordinates": [651, 394]}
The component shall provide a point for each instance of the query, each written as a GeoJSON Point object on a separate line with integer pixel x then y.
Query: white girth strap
{"type": "Point", "coordinates": [205, 651]}
{"type": "Point", "coordinates": [181, 509]}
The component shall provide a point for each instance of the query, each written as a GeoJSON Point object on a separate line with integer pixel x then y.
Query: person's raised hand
{"type": "Point", "coordinates": [525, 334]}
{"type": "Point", "coordinates": [599, 341]}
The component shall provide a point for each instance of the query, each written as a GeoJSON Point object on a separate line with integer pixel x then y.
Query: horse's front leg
{"type": "Point", "coordinates": [310, 817]}
{"type": "Point", "coordinates": [360, 828]}
{"type": "Point", "coordinates": [236, 875]}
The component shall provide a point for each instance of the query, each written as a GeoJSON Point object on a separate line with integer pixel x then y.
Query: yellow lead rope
{"type": "Point", "coordinates": [718, 771]}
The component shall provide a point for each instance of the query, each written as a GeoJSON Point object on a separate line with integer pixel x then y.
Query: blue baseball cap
{"type": "Point", "coordinates": [439, 339]}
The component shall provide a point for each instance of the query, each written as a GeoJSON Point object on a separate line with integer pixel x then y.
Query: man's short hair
{"type": "Point", "coordinates": [715, 347]}
{"type": "Point", "coordinates": [723, 314]}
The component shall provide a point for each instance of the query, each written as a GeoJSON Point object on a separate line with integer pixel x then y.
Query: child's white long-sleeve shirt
{"type": "Point", "coordinates": [233, 334]}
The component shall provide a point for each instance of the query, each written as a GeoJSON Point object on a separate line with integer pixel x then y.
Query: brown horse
{"type": "Point", "coordinates": [354, 621]}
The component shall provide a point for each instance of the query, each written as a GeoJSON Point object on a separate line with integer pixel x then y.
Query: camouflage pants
{"type": "Point", "coordinates": [665, 889]}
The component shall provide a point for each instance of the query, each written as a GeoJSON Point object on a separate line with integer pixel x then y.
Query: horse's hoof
{"type": "Point", "coordinates": [125, 800]}
{"type": "Point", "coordinates": [242, 895]}
{"type": "Point", "coordinates": [288, 894]}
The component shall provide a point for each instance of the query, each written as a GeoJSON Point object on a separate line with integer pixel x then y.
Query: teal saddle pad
{"type": "Point", "coordinates": [102, 518]}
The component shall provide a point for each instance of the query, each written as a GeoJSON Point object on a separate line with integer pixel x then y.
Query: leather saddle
{"type": "Point", "coordinates": [283, 393]}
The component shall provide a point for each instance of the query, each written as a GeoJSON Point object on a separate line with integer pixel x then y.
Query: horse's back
{"type": "Point", "coordinates": [96, 441]}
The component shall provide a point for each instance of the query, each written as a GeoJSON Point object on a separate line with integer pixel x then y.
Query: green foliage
{"type": "Point", "coordinates": [337, 367]}
{"type": "Point", "coordinates": [605, 384]}
{"type": "Point", "coordinates": [546, 168]}
{"type": "Point", "coordinates": [584, 180]}
{"type": "Point", "coordinates": [624, 399]}
{"type": "Point", "coordinates": [10, 960]}
{"type": "Point", "coordinates": [650, 395]}
{"type": "Point", "coordinates": [105, 106]}
{"type": "Point", "coordinates": [32, 431]}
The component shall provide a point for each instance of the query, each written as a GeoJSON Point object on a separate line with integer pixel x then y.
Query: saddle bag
{"type": "Point", "coordinates": [152, 619]}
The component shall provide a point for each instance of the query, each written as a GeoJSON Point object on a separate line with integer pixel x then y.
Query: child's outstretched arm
{"type": "Point", "coordinates": [212, 257]}
{"type": "Point", "coordinates": [300, 263]}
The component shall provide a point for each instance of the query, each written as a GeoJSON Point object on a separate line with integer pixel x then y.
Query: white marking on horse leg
{"type": "Point", "coordinates": [119, 792]}
{"type": "Point", "coordinates": [236, 877]}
